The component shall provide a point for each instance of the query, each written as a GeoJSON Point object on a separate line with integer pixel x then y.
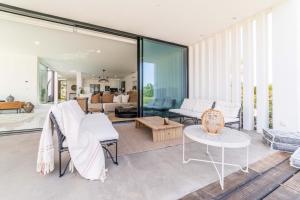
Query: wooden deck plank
{"type": "Point", "coordinates": [198, 196]}
{"type": "Point", "coordinates": [214, 190]}
{"type": "Point", "coordinates": [294, 183]}
{"type": "Point", "coordinates": [283, 193]}
{"type": "Point", "coordinates": [264, 184]}
{"type": "Point", "coordinates": [264, 179]}
{"type": "Point", "coordinates": [265, 164]}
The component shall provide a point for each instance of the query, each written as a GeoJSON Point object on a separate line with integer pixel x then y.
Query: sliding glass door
{"type": "Point", "coordinates": [163, 77]}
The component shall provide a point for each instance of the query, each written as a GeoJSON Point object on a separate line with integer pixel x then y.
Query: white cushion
{"type": "Point", "coordinates": [117, 99]}
{"type": "Point", "coordinates": [188, 104]}
{"type": "Point", "coordinates": [175, 111]}
{"type": "Point", "coordinates": [185, 112]}
{"type": "Point", "coordinates": [228, 109]}
{"type": "Point", "coordinates": [202, 105]}
{"type": "Point", "coordinates": [230, 119]}
{"type": "Point", "coordinates": [125, 98]}
{"type": "Point", "coordinates": [100, 125]}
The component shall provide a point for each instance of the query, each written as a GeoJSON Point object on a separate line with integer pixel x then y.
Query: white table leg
{"type": "Point", "coordinates": [207, 149]}
{"type": "Point", "coordinates": [183, 149]}
{"type": "Point", "coordinates": [247, 161]}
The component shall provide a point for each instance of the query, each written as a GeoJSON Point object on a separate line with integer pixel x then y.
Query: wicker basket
{"type": "Point", "coordinates": [212, 121]}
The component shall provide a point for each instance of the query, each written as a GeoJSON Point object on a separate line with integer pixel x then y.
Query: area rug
{"type": "Point", "coordinates": [135, 140]}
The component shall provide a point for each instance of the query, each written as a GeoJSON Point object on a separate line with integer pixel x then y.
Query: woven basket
{"type": "Point", "coordinates": [212, 121]}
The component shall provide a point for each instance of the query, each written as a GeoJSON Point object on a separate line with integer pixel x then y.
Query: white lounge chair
{"type": "Point", "coordinates": [192, 109]}
{"type": "Point", "coordinates": [231, 112]}
{"type": "Point", "coordinates": [107, 134]}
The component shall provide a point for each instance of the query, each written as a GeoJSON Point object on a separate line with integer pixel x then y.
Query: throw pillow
{"type": "Point", "coordinates": [89, 96]}
{"type": "Point", "coordinates": [95, 98]}
{"type": "Point", "coordinates": [117, 99]}
{"type": "Point", "coordinates": [125, 98]}
{"type": "Point", "coordinates": [107, 98]}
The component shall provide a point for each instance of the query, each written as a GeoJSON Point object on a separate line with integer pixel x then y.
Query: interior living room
{"type": "Point", "coordinates": [150, 100]}
{"type": "Point", "coordinates": [50, 63]}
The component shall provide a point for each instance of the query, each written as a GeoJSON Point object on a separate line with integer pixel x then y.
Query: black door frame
{"type": "Point", "coordinates": [78, 24]}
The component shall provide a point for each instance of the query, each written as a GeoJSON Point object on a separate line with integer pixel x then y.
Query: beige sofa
{"type": "Point", "coordinates": [110, 107]}
{"type": "Point", "coordinates": [105, 102]}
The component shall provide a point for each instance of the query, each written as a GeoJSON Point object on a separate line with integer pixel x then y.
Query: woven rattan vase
{"type": "Point", "coordinates": [212, 121]}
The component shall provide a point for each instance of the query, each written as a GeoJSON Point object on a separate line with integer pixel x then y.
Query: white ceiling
{"type": "Point", "coordinates": [67, 52]}
{"type": "Point", "coordinates": [181, 21]}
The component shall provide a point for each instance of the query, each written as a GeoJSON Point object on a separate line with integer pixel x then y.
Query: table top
{"type": "Point", "coordinates": [229, 138]}
{"type": "Point", "coordinates": [157, 123]}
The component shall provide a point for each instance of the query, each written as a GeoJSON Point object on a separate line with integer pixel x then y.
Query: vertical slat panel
{"type": "Point", "coordinates": [203, 70]}
{"type": "Point", "coordinates": [248, 103]}
{"type": "Point", "coordinates": [196, 72]}
{"type": "Point", "coordinates": [210, 68]}
{"type": "Point", "coordinates": [232, 63]}
{"type": "Point", "coordinates": [218, 66]}
{"type": "Point", "coordinates": [223, 67]}
{"type": "Point", "coordinates": [262, 73]}
{"type": "Point", "coordinates": [206, 71]}
{"type": "Point", "coordinates": [227, 65]}
{"type": "Point", "coordinates": [191, 72]}
{"type": "Point", "coordinates": [236, 62]}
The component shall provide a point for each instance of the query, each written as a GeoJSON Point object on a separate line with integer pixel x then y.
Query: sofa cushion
{"type": "Point", "coordinates": [110, 107]}
{"type": "Point", "coordinates": [188, 104]}
{"type": "Point", "coordinates": [133, 96]}
{"type": "Point", "coordinates": [228, 109]}
{"type": "Point", "coordinates": [95, 98]}
{"type": "Point", "coordinates": [107, 98]}
{"type": "Point", "coordinates": [295, 159]}
{"type": "Point", "coordinates": [168, 103]}
{"type": "Point", "coordinates": [281, 140]}
{"type": "Point", "coordinates": [158, 102]}
{"type": "Point", "coordinates": [95, 106]}
{"type": "Point", "coordinates": [202, 105]}
{"type": "Point", "coordinates": [89, 96]}
{"type": "Point", "coordinates": [124, 98]}
{"type": "Point", "coordinates": [117, 99]}
{"type": "Point", "coordinates": [282, 136]}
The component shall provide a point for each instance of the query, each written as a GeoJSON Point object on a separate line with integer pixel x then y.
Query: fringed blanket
{"type": "Point", "coordinates": [84, 146]}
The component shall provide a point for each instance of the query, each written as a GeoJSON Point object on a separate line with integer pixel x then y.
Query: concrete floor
{"type": "Point", "coordinates": [157, 174]}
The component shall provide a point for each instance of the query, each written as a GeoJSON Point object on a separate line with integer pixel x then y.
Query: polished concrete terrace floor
{"type": "Point", "coordinates": [155, 174]}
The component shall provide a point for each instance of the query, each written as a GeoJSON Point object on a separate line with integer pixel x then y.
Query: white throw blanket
{"type": "Point", "coordinates": [84, 145]}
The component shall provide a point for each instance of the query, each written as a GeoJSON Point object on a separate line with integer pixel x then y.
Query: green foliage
{"type": "Point", "coordinates": [148, 90]}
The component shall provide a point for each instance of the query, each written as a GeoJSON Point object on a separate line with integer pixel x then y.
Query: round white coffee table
{"type": "Point", "coordinates": [229, 138]}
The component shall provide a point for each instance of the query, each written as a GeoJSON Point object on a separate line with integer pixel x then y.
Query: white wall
{"type": "Point", "coordinates": [19, 77]}
{"type": "Point", "coordinates": [286, 66]}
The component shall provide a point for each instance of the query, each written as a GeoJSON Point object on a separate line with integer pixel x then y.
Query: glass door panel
{"type": "Point", "coordinates": [163, 77]}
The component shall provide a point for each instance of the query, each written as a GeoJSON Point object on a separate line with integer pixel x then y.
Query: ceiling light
{"type": "Point", "coordinates": [37, 43]}
{"type": "Point", "coordinates": [98, 51]}
{"type": "Point", "coordinates": [103, 78]}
